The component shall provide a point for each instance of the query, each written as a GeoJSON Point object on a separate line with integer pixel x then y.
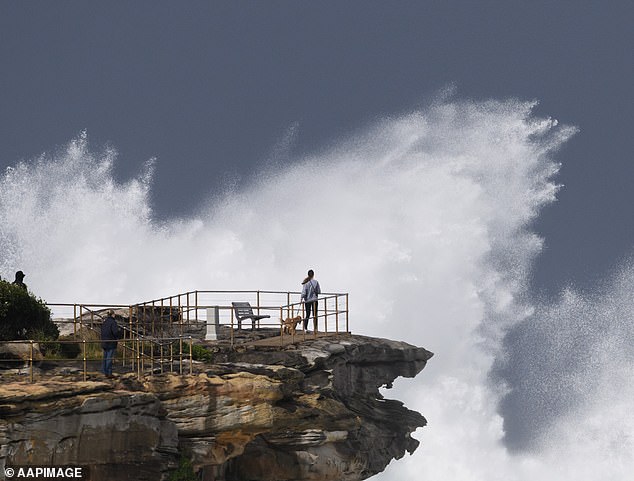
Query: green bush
{"type": "Point", "coordinates": [93, 349]}
{"type": "Point", "coordinates": [68, 350]}
{"type": "Point", "coordinates": [23, 316]}
{"type": "Point", "coordinates": [200, 353]}
{"type": "Point", "coordinates": [61, 350]}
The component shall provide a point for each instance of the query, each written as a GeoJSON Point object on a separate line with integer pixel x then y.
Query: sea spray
{"type": "Point", "coordinates": [568, 369]}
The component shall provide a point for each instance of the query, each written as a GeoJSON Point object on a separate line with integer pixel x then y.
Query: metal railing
{"type": "Point", "coordinates": [195, 308]}
{"type": "Point", "coordinates": [158, 334]}
{"type": "Point", "coordinates": [143, 355]}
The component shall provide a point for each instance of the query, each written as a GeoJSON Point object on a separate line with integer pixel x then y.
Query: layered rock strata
{"type": "Point", "coordinates": [311, 411]}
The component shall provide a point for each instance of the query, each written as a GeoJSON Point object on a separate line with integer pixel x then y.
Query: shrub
{"type": "Point", "coordinates": [68, 350]}
{"type": "Point", "coordinates": [93, 349]}
{"type": "Point", "coordinates": [23, 316]}
{"type": "Point", "coordinates": [200, 353]}
{"type": "Point", "coordinates": [62, 350]}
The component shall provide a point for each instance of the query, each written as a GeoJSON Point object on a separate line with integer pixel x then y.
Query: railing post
{"type": "Point", "coordinates": [161, 351]}
{"type": "Point", "coordinates": [181, 317]}
{"type": "Point", "coordinates": [31, 361]}
{"type": "Point", "coordinates": [347, 315]}
{"type": "Point", "coordinates": [129, 334]}
{"type": "Point", "coordinates": [196, 303]}
{"type": "Point", "coordinates": [187, 304]}
{"type": "Point", "coordinates": [191, 355]}
{"type": "Point", "coordinates": [123, 349]}
{"type": "Point", "coordinates": [172, 313]}
{"type": "Point", "coordinates": [132, 339]}
{"type": "Point", "coordinates": [171, 356]}
{"type": "Point", "coordinates": [258, 301]}
{"type": "Point", "coordinates": [138, 355]}
{"type": "Point", "coordinates": [337, 313]}
{"type": "Point", "coordinates": [231, 329]}
{"type": "Point", "coordinates": [326, 314]}
{"type": "Point", "coordinates": [180, 355]}
{"type": "Point", "coordinates": [126, 347]}
{"type": "Point", "coordinates": [161, 315]}
{"type": "Point", "coordinates": [281, 326]}
{"type": "Point", "coordinates": [144, 314]}
{"type": "Point", "coordinates": [85, 364]}
{"type": "Point", "coordinates": [75, 320]}
{"type": "Point", "coordinates": [154, 311]}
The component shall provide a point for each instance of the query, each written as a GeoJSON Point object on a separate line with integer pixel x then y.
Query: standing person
{"type": "Point", "coordinates": [110, 332]}
{"type": "Point", "coordinates": [19, 280]}
{"type": "Point", "coordinates": [310, 293]}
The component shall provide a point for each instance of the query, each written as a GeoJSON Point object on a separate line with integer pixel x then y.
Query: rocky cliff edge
{"type": "Point", "coordinates": [311, 411]}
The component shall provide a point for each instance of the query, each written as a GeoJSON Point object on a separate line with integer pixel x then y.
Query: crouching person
{"type": "Point", "coordinates": [110, 333]}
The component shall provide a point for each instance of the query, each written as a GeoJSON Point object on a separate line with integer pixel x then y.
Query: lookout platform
{"type": "Point", "coordinates": [159, 335]}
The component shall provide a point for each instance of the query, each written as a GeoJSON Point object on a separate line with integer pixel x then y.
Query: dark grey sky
{"type": "Point", "coordinates": [209, 88]}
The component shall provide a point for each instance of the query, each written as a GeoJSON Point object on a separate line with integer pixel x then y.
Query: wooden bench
{"type": "Point", "coordinates": [244, 311]}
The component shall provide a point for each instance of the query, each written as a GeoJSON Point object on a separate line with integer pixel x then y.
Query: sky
{"type": "Point", "coordinates": [215, 90]}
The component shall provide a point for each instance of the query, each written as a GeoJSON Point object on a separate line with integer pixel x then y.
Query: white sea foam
{"type": "Point", "coordinates": [425, 219]}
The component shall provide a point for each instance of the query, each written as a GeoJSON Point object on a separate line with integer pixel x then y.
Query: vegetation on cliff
{"type": "Point", "coordinates": [23, 316]}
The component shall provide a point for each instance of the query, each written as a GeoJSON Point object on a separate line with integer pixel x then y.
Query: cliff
{"type": "Point", "coordinates": [307, 412]}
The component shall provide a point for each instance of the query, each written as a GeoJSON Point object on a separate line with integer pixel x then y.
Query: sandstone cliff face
{"type": "Point", "coordinates": [88, 424]}
{"type": "Point", "coordinates": [307, 412]}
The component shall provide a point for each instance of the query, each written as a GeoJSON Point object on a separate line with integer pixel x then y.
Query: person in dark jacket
{"type": "Point", "coordinates": [110, 332]}
{"type": "Point", "coordinates": [19, 280]}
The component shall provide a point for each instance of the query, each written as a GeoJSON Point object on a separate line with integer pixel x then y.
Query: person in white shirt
{"type": "Point", "coordinates": [310, 294]}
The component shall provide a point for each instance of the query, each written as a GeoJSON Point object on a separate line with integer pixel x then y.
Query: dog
{"type": "Point", "coordinates": [289, 325]}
